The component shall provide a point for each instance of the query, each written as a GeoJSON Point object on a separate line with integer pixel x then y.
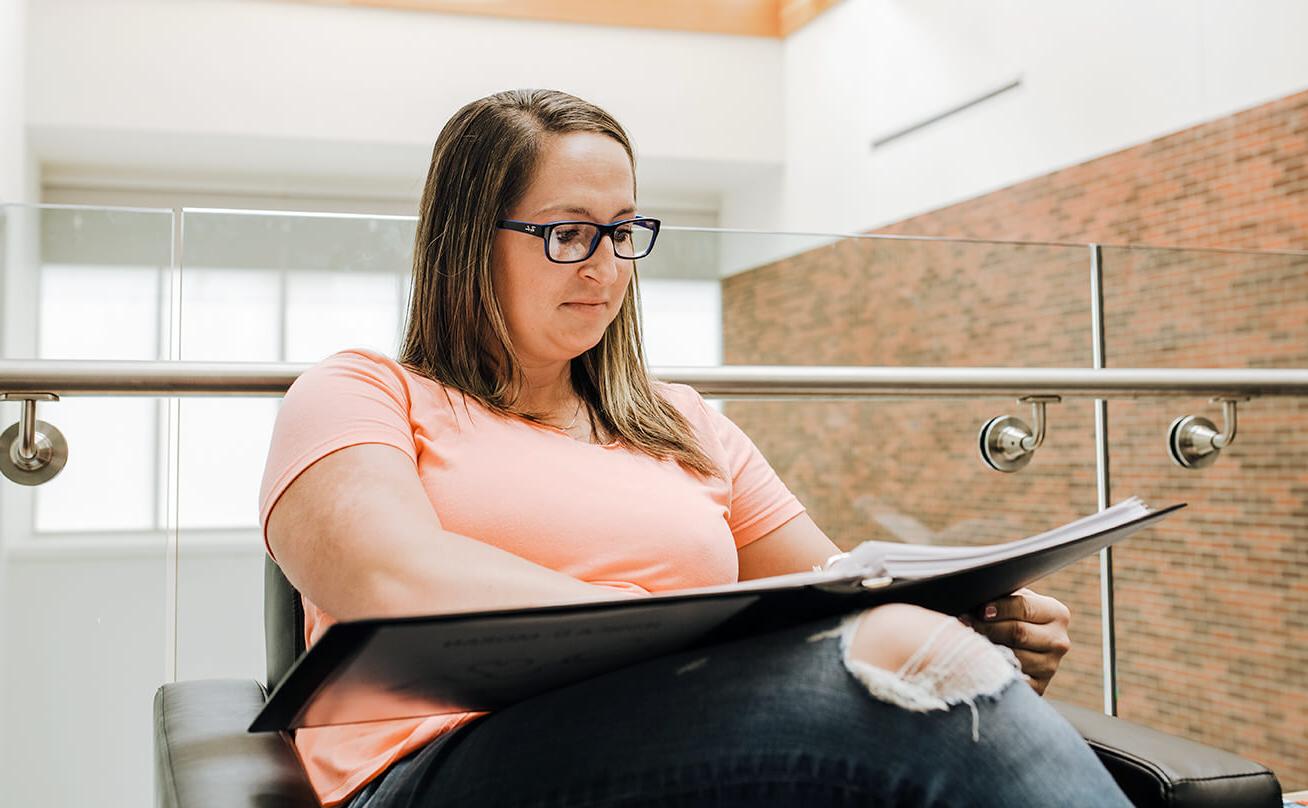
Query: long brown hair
{"type": "Point", "coordinates": [456, 334]}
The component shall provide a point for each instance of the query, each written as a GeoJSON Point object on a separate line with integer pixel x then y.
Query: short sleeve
{"type": "Point", "coordinates": [351, 397]}
{"type": "Point", "coordinates": [760, 501]}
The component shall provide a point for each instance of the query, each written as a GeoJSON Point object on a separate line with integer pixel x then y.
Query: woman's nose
{"type": "Point", "coordinates": [603, 263]}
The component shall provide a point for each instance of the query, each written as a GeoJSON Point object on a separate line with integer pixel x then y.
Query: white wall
{"type": "Point", "coordinates": [17, 182]}
{"type": "Point", "coordinates": [238, 94]}
{"type": "Point", "coordinates": [310, 102]}
{"type": "Point", "coordinates": [1097, 77]}
{"type": "Point", "coordinates": [89, 630]}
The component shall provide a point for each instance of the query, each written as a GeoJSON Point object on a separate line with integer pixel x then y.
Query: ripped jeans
{"type": "Point", "coordinates": [786, 718]}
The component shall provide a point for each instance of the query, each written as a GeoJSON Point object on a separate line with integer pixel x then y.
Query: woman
{"type": "Point", "coordinates": [518, 454]}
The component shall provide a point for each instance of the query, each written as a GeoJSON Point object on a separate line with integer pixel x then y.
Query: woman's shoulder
{"type": "Point", "coordinates": [688, 402]}
{"type": "Point", "coordinates": [374, 364]}
{"type": "Point", "coordinates": [369, 373]}
{"type": "Point", "coordinates": [359, 356]}
{"type": "Point", "coordinates": [682, 396]}
{"type": "Point", "coordinates": [354, 357]}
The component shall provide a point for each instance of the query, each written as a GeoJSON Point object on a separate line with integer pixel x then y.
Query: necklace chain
{"type": "Point", "coordinates": [575, 416]}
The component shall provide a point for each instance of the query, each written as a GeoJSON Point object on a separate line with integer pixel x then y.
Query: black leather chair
{"type": "Point", "coordinates": [204, 758]}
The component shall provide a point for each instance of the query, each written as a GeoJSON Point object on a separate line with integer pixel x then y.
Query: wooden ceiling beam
{"type": "Point", "coordinates": [764, 18]}
{"type": "Point", "coordinates": [793, 15]}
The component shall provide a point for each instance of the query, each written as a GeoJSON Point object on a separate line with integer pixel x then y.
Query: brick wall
{"type": "Point", "coordinates": [1213, 604]}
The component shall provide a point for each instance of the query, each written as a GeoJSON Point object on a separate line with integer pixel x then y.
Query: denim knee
{"type": "Point", "coordinates": [951, 664]}
{"type": "Point", "coordinates": [1029, 754]}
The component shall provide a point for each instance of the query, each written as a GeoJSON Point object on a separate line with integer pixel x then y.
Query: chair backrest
{"type": "Point", "coordinates": [283, 622]}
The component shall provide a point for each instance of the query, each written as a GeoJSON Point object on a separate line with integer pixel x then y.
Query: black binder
{"type": "Point", "coordinates": [379, 669]}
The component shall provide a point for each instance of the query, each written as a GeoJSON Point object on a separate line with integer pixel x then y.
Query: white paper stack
{"type": "Point", "coordinates": [900, 561]}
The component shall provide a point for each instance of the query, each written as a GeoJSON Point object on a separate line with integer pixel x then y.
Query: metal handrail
{"type": "Point", "coordinates": [32, 451]}
{"type": "Point", "coordinates": [165, 378]}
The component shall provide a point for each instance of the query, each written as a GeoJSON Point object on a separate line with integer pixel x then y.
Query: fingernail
{"type": "Point", "coordinates": [990, 611]}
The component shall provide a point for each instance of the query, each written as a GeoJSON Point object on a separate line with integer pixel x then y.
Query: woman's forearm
{"type": "Point", "coordinates": [451, 572]}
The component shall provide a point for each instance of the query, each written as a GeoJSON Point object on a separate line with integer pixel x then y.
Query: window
{"type": "Point", "coordinates": [254, 288]}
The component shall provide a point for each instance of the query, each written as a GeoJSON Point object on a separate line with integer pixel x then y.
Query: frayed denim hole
{"type": "Point", "coordinates": [946, 669]}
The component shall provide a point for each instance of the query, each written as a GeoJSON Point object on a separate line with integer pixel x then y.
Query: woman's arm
{"type": "Point", "coordinates": [356, 533]}
{"type": "Point", "coordinates": [794, 547]}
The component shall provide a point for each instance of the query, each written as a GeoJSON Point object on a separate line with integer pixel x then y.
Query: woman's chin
{"type": "Point", "coordinates": [572, 342]}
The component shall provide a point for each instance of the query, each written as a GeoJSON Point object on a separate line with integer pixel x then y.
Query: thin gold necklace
{"type": "Point", "coordinates": [575, 416]}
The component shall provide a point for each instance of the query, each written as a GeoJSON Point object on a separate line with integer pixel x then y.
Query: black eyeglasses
{"type": "Point", "coordinates": [572, 242]}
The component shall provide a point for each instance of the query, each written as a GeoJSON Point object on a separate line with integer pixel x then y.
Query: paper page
{"type": "Point", "coordinates": [876, 558]}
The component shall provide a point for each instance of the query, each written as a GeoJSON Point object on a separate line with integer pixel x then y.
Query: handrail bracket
{"type": "Point", "coordinates": [31, 451]}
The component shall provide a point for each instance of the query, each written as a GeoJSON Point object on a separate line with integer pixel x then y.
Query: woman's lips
{"type": "Point", "coordinates": [585, 306]}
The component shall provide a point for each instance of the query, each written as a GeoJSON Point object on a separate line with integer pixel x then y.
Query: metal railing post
{"type": "Point", "coordinates": [172, 473]}
{"type": "Point", "coordinates": [1108, 642]}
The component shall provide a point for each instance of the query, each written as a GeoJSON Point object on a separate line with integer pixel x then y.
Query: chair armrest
{"type": "Point", "coordinates": [1156, 769]}
{"type": "Point", "coordinates": [205, 758]}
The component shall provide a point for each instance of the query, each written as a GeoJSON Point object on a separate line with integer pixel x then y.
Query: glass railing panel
{"type": "Point", "coordinates": [83, 583]}
{"type": "Point", "coordinates": [261, 287]}
{"type": "Point", "coordinates": [708, 297]}
{"type": "Point", "coordinates": [1212, 606]}
{"type": "Point", "coordinates": [296, 287]}
{"type": "Point", "coordinates": [909, 469]}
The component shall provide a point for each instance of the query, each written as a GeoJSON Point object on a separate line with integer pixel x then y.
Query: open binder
{"type": "Point", "coordinates": [378, 669]}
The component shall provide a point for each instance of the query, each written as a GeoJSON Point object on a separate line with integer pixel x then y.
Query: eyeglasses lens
{"type": "Point", "coordinates": [571, 242]}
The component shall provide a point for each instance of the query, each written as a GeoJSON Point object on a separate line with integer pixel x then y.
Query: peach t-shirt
{"type": "Point", "coordinates": [600, 513]}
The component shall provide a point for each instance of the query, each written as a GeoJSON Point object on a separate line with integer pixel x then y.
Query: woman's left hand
{"type": "Point", "coordinates": [1033, 625]}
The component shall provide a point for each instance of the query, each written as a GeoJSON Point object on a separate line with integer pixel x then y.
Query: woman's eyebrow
{"type": "Point", "coordinates": [580, 211]}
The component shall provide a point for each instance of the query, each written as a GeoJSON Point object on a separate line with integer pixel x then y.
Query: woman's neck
{"type": "Point", "coordinates": [547, 390]}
